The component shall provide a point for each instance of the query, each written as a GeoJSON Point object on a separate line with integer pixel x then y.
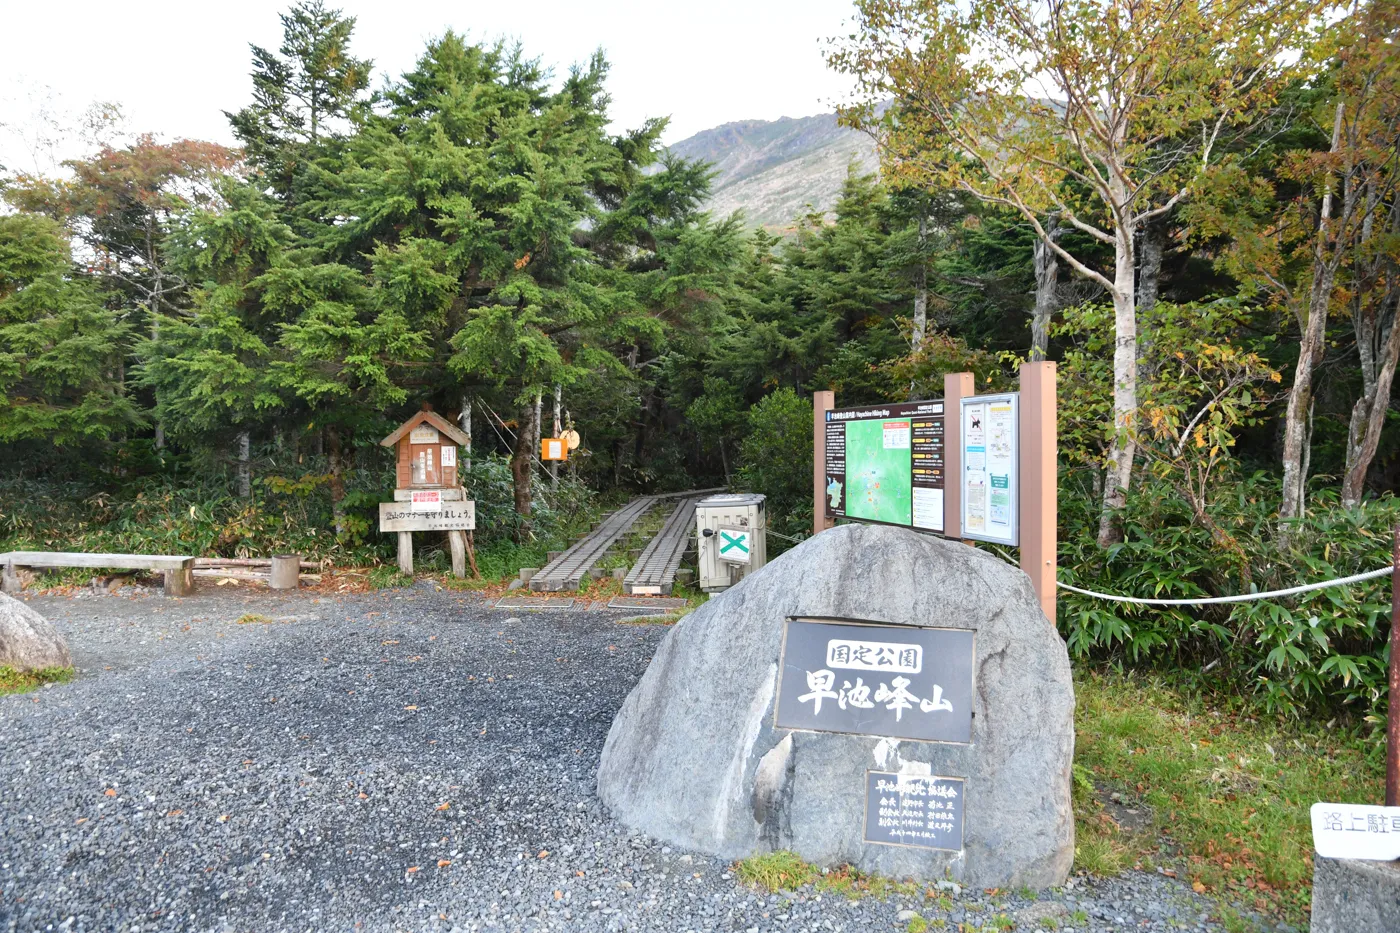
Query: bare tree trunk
{"type": "Point", "coordinates": [1047, 275]}
{"type": "Point", "coordinates": [337, 465]}
{"type": "Point", "coordinates": [724, 461]}
{"type": "Point", "coordinates": [1123, 448]}
{"type": "Point", "coordinates": [1154, 242]}
{"type": "Point", "coordinates": [921, 288]}
{"type": "Point", "coordinates": [245, 471]}
{"type": "Point", "coordinates": [521, 470]}
{"type": "Point", "coordinates": [465, 420]}
{"type": "Point", "coordinates": [1310, 351]}
{"type": "Point", "coordinates": [1368, 417]}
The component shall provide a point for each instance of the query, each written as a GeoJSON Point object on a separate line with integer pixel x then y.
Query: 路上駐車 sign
{"type": "Point", "coordinates": [898, 681]}
{"type": "Point", "coordinates": [450, 516]}
{"type": "Point", "coordinates": [1355, 830]}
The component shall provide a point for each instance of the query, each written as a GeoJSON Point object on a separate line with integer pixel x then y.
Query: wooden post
{"type": "Point", "coordinates": [1392, 727]}
{"type": "Point", "coordinates": [457, 541]}
{"type": "Point", "coordinates": [956, 387]}
{"type": "Point", "coordinates": [823, 401]}
{"type": "Point", "coordinates": [1039, 480]}
{"type": "Point", "coordinates": [406, 552]}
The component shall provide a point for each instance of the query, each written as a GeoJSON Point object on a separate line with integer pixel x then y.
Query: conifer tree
{"type": "Point", "coordinates": [62, 351]}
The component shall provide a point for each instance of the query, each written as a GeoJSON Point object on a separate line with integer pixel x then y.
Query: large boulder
{"type": "Point", "coordinates": [27, 641]}
{"type": "Point", "coordinates": [694, 757]}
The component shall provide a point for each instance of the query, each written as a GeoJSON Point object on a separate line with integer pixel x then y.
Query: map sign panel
{"type": "Point", "coordinates": [884, 463]}
{"type": "Point", "coordinates": [921, 810]}
{"type": "Point", "coordinates": [899, 681]}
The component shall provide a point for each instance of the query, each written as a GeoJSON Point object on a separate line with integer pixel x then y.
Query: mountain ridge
{"type": "Point", "coordinates": [775, 171]}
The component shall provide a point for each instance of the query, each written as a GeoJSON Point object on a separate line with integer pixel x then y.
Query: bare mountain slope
{"type": "Point", "coordinates": [772, 170]}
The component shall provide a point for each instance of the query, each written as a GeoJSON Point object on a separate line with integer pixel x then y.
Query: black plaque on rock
{"type": "Point", "coordinates": [867, 678]}
{"type": "Point", "coordinates": [914, 810]}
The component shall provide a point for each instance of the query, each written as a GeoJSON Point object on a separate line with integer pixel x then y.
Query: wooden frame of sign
{"type": "Point", "coordinates": [427, 497]}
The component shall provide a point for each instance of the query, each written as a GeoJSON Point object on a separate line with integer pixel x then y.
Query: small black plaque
{"type": "Point", "coordinates": [914, 810]}
{"type": "Point", "coordinates": [898, 681]}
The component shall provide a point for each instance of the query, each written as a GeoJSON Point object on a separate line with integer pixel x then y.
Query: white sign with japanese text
{"type": "Point", "coordinates": [427, 500]}
{"type": "Point", "coordinates": [1355, 830]}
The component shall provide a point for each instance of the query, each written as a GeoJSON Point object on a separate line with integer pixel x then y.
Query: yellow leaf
{"type": "Point", "coordinates": [544, 853]}
{"type": "Point", "coordinates": [444, 805]}
{"type": "Point", "coordinates": [1198, 887]}
{"type": "Point", "coordinates": [443, 862]}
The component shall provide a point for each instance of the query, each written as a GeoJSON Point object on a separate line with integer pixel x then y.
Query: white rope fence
{"type": "Point", "coordinates": [1212, 600]}
{"type": "Point", "coordinates": [1241, 598]}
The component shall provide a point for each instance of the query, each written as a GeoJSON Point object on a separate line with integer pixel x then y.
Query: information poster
{"type": "Point", "coordinates": [990, 461]}
{"type": "Point", "coordinates": [884, 464]}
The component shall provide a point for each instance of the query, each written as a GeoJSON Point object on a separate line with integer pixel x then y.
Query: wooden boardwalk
{"type": "Point", "coordinates": [654, 573]}
{"type": "Point", "coordinates": [568, 569]}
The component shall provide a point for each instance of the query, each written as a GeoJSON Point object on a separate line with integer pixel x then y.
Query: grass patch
{"type": "Point", "coordinates": [388, 576]}
{"type": "Point", "coordinates": [786, 871]}
{"type": "Point", "coordinates": [1228, 793]}
{"type": "Point", "coordinates": [17, 681]}
{"type": "Point", "coordinates": [776, 871]}
{"type": "Point", "coordinates": [252, 618]}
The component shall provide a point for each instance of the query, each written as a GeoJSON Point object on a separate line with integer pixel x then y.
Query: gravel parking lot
{"type": "Point", "coordinates": [403, 760]}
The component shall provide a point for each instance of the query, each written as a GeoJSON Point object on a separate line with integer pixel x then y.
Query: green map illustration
{"type": "Point", "coordinates": [879, 484]}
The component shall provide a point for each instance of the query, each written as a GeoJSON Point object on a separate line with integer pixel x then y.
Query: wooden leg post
{"type": "Point", "coordinates": [1039, 481]}
{"type": "Point", "coordinates": [1392, 730]}
{"type": "Point", "coordinates": [471, 555]}
{"type": "Point", "coordinates": [956, 387]}
{"type": "Point", "coordinates": [457, 541]}
{"type": "Point", "coordinates": [406, 552]}
{"type": "Point", "coordinates": [822, 402]}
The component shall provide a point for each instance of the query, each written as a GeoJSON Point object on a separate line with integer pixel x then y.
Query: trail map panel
{"type": "Point", "coordinates": [884, 463]}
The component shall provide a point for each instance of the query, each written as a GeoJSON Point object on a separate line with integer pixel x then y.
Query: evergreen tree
{"type": "Point", "coordinates": [62, 351]}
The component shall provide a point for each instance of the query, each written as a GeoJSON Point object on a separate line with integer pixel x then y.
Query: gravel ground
{"type": "Point", "coordinates": [405, 760]}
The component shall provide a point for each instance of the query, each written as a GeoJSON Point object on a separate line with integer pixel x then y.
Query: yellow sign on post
{"type": "Point", "coordinates": [554, 448]}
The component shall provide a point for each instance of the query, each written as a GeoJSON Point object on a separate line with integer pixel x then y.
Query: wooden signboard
{"type": "Point", "coordinates": [450, 516]}
{"type": "Point", "coordinates": [425, 448]}
{"type": "Point", "coordinates": [554, 448]}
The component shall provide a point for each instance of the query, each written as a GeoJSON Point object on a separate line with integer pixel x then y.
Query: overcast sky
{"type": "Point", "coordinates": [175, 66]}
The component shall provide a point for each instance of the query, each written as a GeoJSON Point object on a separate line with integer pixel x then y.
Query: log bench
{"type": "Point", "coordinates": [179, 571]}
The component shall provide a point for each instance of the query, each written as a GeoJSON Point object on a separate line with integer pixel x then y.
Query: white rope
{"type": "Point", "coordinates": [1242, 598]}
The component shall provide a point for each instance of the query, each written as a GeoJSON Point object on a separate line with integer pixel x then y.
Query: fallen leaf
{"type": "Point", "coordinates": [364, 796]}
{"type": "Point", "coordinates": [413, 869]}
{"type": "Point", "coordinates": [80, 821]}
{"type": "Point", "coordinates": [544, 853]}
{"type": "Point", "coordinates": [444, 862]}
{"type": "Point", "coordinates": [224, 818]}
{"type": "Point", "coordinates": [444, 805]}
{"type": "Point", "coordinates": [1169, 872]}
{"type": "Point", "coordinates": [391, 641]}
{"type": "Point", "coordinates": [558, 895]}
{"type": "Point", "coordinates": [176, 813]}
{"type": "Point", "coordinates": [109, 792]}
{"type": "Point", "coordinates": [1198, 887]}
{"type": "Point", "coordinates": [410, 707]}
{"type": "Point", "coordinates": [579, 874]}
